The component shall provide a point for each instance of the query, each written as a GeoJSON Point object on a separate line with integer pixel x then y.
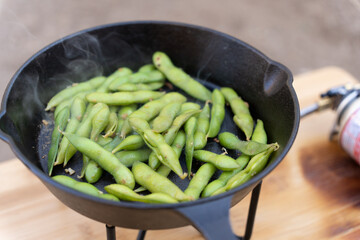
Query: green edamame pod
{"type": "Point", "coordinates": [83, 187]}
{"type": "Point", "coordinates": [242, 118]}
{"type": "Point", "coordinates": [120, 72]}
{"type": "Point", "coordinates": [164, 152]}
{"type": "Point", "coordinates": [171, 133]}
{"type": "Point", "coordinates": [189, 128]}
{"type": "Point", "coordinates": [60, 123]}
{"type": "Point", "coordinates": [105, 159]}
{"type": "Point", "coordinates": [84, 128]}
{"type": "Point", "coordinates": [256, 165]}
{"type": "Point", "coordinates": [123, 114]}
{"type": "Point", "coordinates": [157, 143]}
{"type": "Point", "coordinates": [156, 183]}
{"type": "Point", "coordinates": [80, 186]}
{"type": "Point", "coordinates": [147, 68]}
{"type": "Point", "coordinates": [76, 112]}
{"type": "Point", "coordinates": [93, 172]}
{"type": "Point", "coordinates": [217, 113]}
{"type": "Point", "coordinates": [202, 128]}
{"type": "Point", "coordinates": [102, 141]}
{"type": "Point", "coordinates": [221, 162]}
{"type": "Point", "coordinates": [200, 180]}
{"type": "Point", "coordinates": [146, 77]}
{"type": "Point", "coordinates": [179, 78]}
{"type": "Point", "coordinates": [128, 158]}
{"type": "Point", "coordinates": [260, 136]}
{"type": "Point", "coordinates": [112, 125]}
{"type": "Point", "coordinates": [166, 116]}
{"type": "Point", "coordinates": [189, 106]}
{"type": "Point", "coordinates": [178, 122]}
{"type": "Point", "coordinates": [251, 148]}
{"type": "Point", "coordinates": [125, 193]}
{"type": "Point", "coordinates": [151, 109]}
{"type": "Point", "coordinates": [131, 87]}
{"type": "Point", "coordinates": [99, 122]}
{"type": "Point", "coordinates": [224, 177]}
{"type": "Point", "coordinates": [69, 102]}
{"type": "Point", "coordinates": [73, 90]}
{"type": "Point", "coordinates": [117, 82]}
{"type": "Point", "coordinates": [123, 98]}
{"type": "Point", "coordinates": [177, 145]}
{"type": "Point", "coordinates": [138, 77]}
{"type": "Point", "coordinates": [132, 142]}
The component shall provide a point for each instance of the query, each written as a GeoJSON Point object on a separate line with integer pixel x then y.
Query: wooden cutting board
{"type": "Point", "coordinates": [313, 194]}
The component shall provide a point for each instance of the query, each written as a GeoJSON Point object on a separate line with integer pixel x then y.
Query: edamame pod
{"type": "Point", "coordinates": [202, 127]}
{"type": "Point", "coordinates": [105, 159]}
{"type": "Point", "coordinates": [99, 122]}
{"type": "Point", "coordinates": [164, 152]}
{"type": "Point", "coordinates": [123, 98]}
{"type": "Point", "coordinates": [69, 102]}
{"type": "Point", "coordinates": [128, 158]}
{"type": "Point", "coordinates": [224, 177]}
{"type": "Point", "coordinates": [156, 183]}
{"type": "Point", "coordinates": [221, 162]}
{"type": "Point", "coordinates": [146, 77]}
{"type": "Point", "coordinates": [83, 187]}
{"type": "Point", "coordinates": [179, 78]}
{"type": "Point", "coordinates": [251, 148]}
{"type": "Point", "coordinates": [132, 142]}
{"type": "Point", "coordinates": [84, 128]}
{"type": "Point", "coordinates": [177, 124]}
{"type": "Point", "coordinates": [125, 193]}
{"type": "Point", "coordinates": [147, 68]}
{"type": "Point", "coordinates": [189, 106]}
{"type": "Point", "coordinates": [151, 109]}
{"type": "Point", "coordinates": [102, 141]}
{"type": "Point", "coordinates": [177, 145]}
{"type": "Point", "coordinates": [242, 118]}
{"type": "Point", "coordinates": [73, 90]}
{"type": "Point", "coordinates": [260, 136]}
{"type": "Point", "coordinates": [166, 116]}
{"type": "Point", "coordinates": [93, 172]}
{"type": "Point", "coordinates": [76, 112]}
{"type": "Point", "coordinates": [171, 133]}
{"type": "Point", "coordinates": [123, 114]}
{"type": "Point", "coordinates": [189, 128]}
{"type": "Point", "coordinates": [120, 72]}
{"type": "Point", "coordinates": [200, 180]}
{"type": "Point", "coordinates": [256, 165]}
{"type": "Point", "coordinates": [60, 123]}
{"type": "Point", "coordinates": [217, 113]}
{"type": "Point", "coordinates": [112, 125]}
{"type": "Point", "coordinates": [132, 87]}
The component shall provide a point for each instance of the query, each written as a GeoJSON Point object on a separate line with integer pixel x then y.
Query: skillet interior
{"type": "Point", "coordinates": [210, 56]}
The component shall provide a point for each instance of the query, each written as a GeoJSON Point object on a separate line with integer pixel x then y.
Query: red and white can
{"type": "Point", "coordinates": [349, 127]}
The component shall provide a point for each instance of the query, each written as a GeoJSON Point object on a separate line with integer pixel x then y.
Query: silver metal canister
{"type": "Point", "coordinates": [345, 100]}
{"type": "Point", "coordinates": [349, 128]}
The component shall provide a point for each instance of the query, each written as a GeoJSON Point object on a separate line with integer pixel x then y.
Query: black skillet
{"type": "Point", "coordinates": [214, 58]}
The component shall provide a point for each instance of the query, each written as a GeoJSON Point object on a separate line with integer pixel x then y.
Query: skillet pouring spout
{"type": "Point", "coordinates": [211, 57]}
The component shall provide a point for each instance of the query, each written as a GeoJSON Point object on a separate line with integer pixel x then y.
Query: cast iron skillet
{"type": "Point", "coordinates": [214, 58]}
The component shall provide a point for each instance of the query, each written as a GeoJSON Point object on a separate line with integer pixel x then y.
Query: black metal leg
{"type": "Point", "coordinates": [141, 235]}
{"type": "Point", "coordinates": [110, 232]}
{"type": "Point", "coordinates": [252, 211]}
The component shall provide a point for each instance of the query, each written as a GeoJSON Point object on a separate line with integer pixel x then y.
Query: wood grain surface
{"type": "Point", "coordinates": [313, 194]}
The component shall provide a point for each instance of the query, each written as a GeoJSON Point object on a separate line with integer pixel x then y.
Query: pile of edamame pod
{"type": "Point", "coordinates": [124, 125]}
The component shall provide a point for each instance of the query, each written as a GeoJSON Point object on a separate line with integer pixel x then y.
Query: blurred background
{"type": "Point", "coordinates": [303, 35]}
